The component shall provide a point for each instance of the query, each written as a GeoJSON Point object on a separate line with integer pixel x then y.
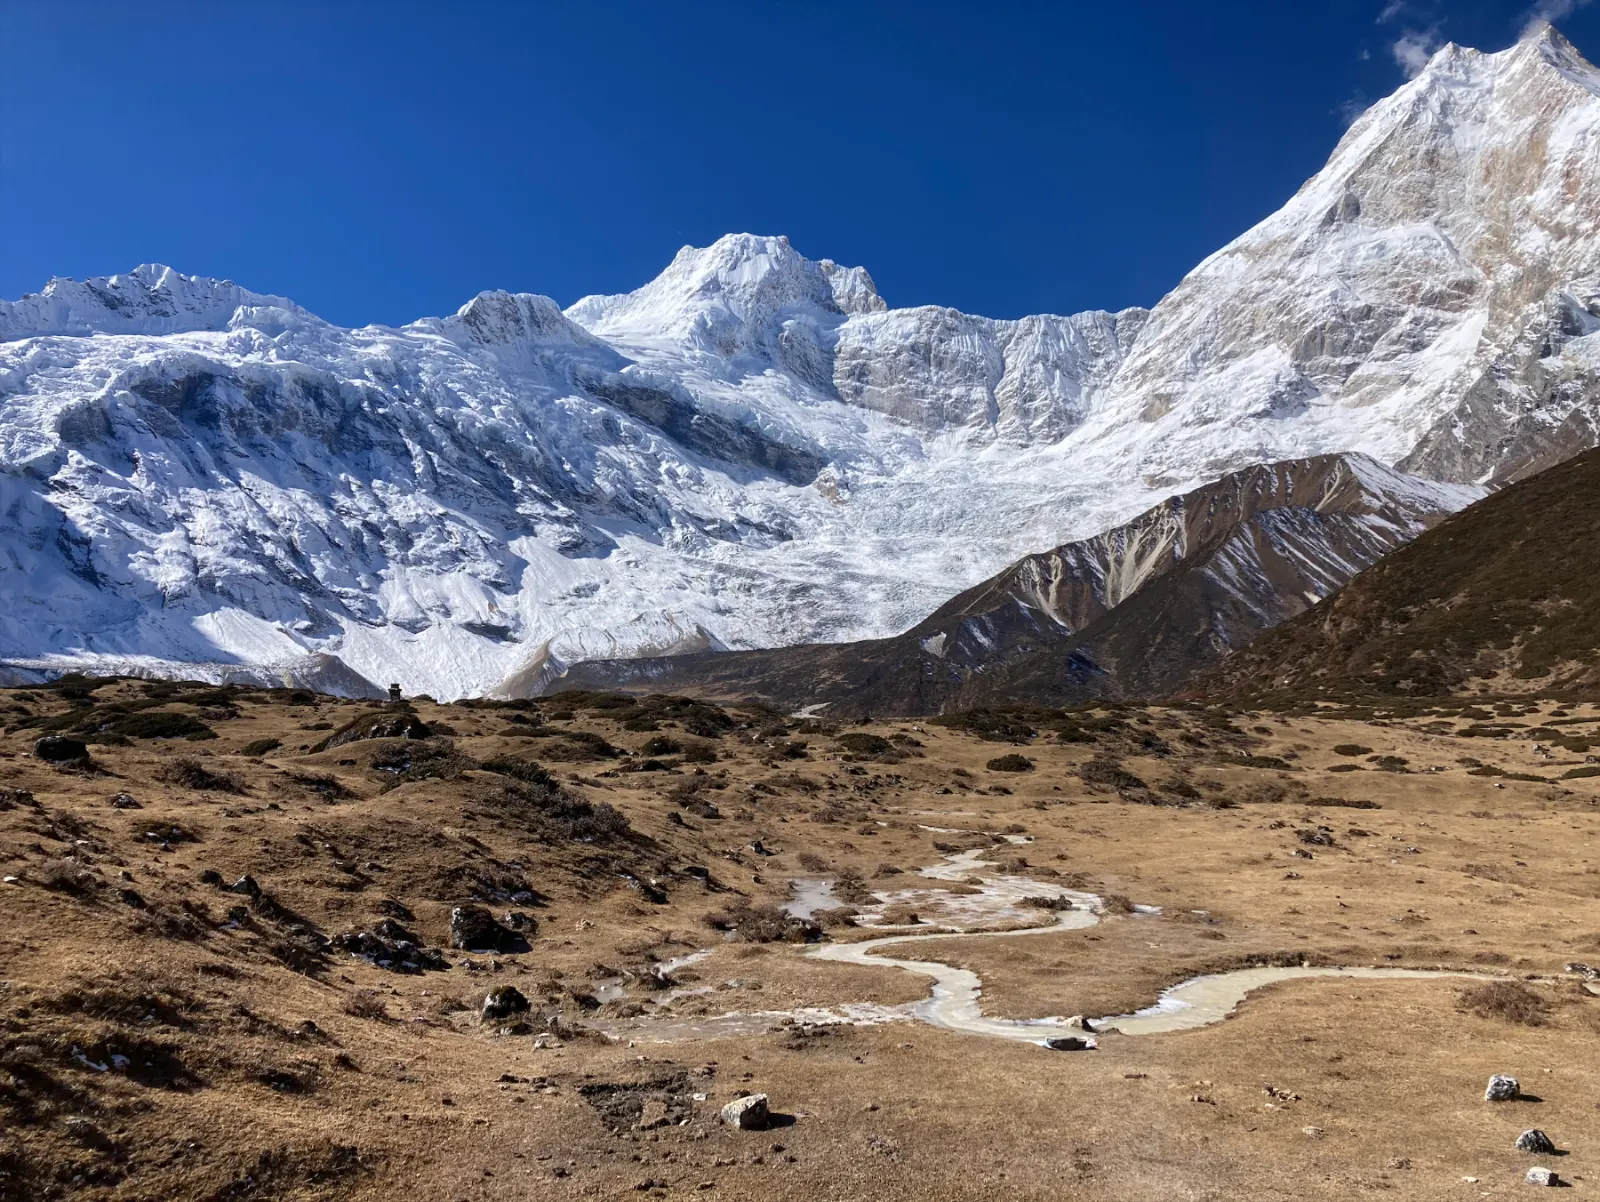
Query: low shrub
{"type": "Point", "coordinates": [161, 724]}
{"type": "Point", "coordinates": [859, 742]}
{"type": "Point", "coordinates": [1010, 763]}
{"type": "Point", "coordinates": [1105, 771]}
{"type": "Point", "coordinates": [1508, 1001]}
{"type": "Point", "coordinates": [190, 773]}
{"type": "Point", "coordinates": [763, 924]}
{"type": "Point", "coordinates": [699, 753]}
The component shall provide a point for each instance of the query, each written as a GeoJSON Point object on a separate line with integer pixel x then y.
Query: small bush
{"type": "Point", "coordinates": [1581, 773]}
{"type": "Point", "coordinates": [1508, 1001]}
{"type": "Point", "coordinates": [190, 773]}
{"type": "Point", "coordinates": [380, 724]}
{"type": "Point", "coordinates": [161, 724]}
{"type": "Point", "coordinates": [553, 815]}
{"type": "Point", "coordinates": [1102, 770]}
{"type": "Point", "coordinates": [859, 742]}
{"type": "Point", "coordinates": [427, 759]}
{"type": "Point", "coordinates": [699, 753]}
{"type": "Point", "coordinates": [528, 772]}
{"type": "Point", "coordinates": [1341, 803]}
{"type": "Point", "coordinates": [65, 876]}
{"type": "Point", "coordinates": [1351, 749]}
{"type": "Point", "coordinates": [579, 746]}
{"type": "Point", "coordinates": [1272, 762]}
{"type": "Point", "coordinates": [763, 924]}
{"type": "Point", "coordinates": [662, 745]}
{"type": "Point", "coordinates": [1010, 763]}
{"type": "Point", "coordinates": [320, 782]}
{"type": "Point", "coordinates": [260, 746]}
{"type": "Point", "coordinates": [367, 1004]}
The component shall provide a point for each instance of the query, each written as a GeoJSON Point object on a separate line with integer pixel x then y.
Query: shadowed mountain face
{"type": "Point", "coordinates": [1135, 611]}
{"type": "Point", "coordinates": [1506, 591]}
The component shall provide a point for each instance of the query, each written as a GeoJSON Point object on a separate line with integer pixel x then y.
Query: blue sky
{"type": "Point", "coordinates": [380, 162]}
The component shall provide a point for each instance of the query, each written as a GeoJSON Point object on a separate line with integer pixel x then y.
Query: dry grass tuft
{"type": "Point", "coordinates": [1507, 1001]}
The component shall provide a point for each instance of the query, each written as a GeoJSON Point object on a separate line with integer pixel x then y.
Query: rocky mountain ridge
{"type": "Point", "coordinates": [753, 450]}
{"type": "Point", "coordinates": [1499, 599]}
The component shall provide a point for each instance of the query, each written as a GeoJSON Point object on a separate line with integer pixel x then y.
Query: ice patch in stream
{"type": "Point", "coordinates": [667, 967]}
{"type": "Point", "coordinates": [811, 897]}
{"type": "Point", "coordinates": [1201, 1001]}
{"type": "Point", "coordinates": [953, 1002]}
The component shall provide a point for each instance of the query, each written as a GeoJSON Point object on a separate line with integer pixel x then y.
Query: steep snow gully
{"type": "Point", "coordinates": [753, 449]}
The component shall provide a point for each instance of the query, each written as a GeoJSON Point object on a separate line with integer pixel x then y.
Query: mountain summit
{"type": "Point", "coordinates": [753, 450]}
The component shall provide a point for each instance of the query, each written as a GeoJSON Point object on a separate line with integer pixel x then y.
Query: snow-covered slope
{"type": "Point", "coordinates": [1134, 611]}
{"type": "Point", "coordinates": [753, 450]}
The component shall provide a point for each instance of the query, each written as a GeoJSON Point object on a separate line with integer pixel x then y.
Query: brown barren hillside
{"type": "Point", "coordinates": [1503, 596]}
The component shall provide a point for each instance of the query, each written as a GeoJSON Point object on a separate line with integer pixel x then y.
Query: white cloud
{"type": "Point", "coordinates": [1414, 48]}
{"type": "Point", "coordinates": [1548, 10]}
{"type": "Point", "coordinates": [1392, 11]}
{"type": "Point", "coordinates": [1351, 110]}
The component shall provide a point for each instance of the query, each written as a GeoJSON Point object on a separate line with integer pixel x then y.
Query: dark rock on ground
{"type": "Point", "coordinates": [503, 1001]}
{"type": "Point", "coordinates": [474, 929]}
{"type": "Point", "coordinates": [390, 946]}
{"type": "Point", "coordinates": [1535, 1141]}
{"type": "Point", "coordinates": [58, 749]}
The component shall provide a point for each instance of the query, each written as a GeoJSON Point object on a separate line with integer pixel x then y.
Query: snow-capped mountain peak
{"type": "Point", "coordinates": [730, 297]}
{"type": "Point", "coordinates": [150, 299]}
{"type": "Point", "coordinates": [753, 450]}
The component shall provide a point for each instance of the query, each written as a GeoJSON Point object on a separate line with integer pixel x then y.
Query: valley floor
{"type": "Point", "coordinates": [173, 1035]}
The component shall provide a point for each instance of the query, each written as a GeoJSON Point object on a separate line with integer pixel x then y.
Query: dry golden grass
{"type": "Point", "coordinates": [244, 1056]}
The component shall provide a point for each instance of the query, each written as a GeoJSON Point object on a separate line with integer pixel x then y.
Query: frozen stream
{"type": "Point", "coordinates": [982, 902]}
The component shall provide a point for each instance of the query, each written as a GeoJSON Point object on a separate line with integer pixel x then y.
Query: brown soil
{"type": "Point", "coordinates": [165, 1044]}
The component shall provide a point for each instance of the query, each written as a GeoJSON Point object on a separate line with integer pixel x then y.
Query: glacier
{"type": "Point", "coordinates": [753, 449]}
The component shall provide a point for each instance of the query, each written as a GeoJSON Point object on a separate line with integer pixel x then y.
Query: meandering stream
{"type": "Point", "coordinates": [981, 902]}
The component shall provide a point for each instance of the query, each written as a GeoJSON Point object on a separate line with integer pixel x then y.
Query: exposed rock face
{"type": "Point", "coordinates": [753, 450]}
{"type": "Point", "coordinates": [1443, 264]}
{"type": "Point", "coordinates": [1135, 611]}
